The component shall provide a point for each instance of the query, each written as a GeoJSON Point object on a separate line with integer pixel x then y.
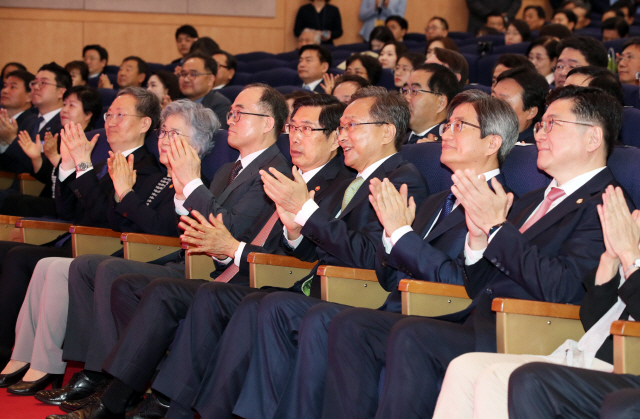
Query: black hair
{"type": "Point", "coordinates": [442, 80]}
{"type": "Point", "coordinates": [487, 30]}
{"type": "Point", "coordinates": [592, 49]}
{"type": "Point", "coordinates": [633, 41]}
{"type": "Point", "coordinates": [441, 20]}
{"type": "Point", "coordinates": [446, 42]}
{"type": "Point", "coordinates": [170, 82]}
{"type": "Point", "coordinates": [618, 12]}
{"type": "Point", "coordinates": [535, 88]}
{"type": "Point", "coordinates": [494, 14]}
{"type": "Point", "coordinates": [415, 58]}
{"type": "Point", "coordinates": [205, 45]}
{"type": "Point", "coordinates": [274, 104]}
{"type": "Point", "coordinates": [12, 64]}
{"type": "Point", "coordinates": [209, 63]}
{"type": "Point", "coordinates": [603, 79]}
{"type": "Point", "coordinates": [571, 17]}
{"type": "Point", "coordinates": [90, 99]}
{"type": "Point", "coordinates": [188, 30]}
{"type": "Point", "coordinates": [381, 33]}
{"type": "Point", "coordinates": [232, 63]}
{"type": "Point", "coordinates": [619, 24]}
{"type": "Point", "coordinates": [330, 114]}
{"type": "Point", "coordinates": [555, 30]}
{"type": "Point", "coordinates": [456, 63]}
{"type": "Point", "coordinates": [539, 11]}
{"type": "Point", "coordinates": [513, 61]}
{"type": "Point", "coordinates": [399, 46]}
{"type": "Point", "coordinates": [522, 28]}
{"type": "Point", "coordinates": [25, 76]}
{"type": "Point", "coordinates": [629, 5]}
{"type": "Point", "coordinates": [63, 78]}
{"type": "Point", "coordinates": [80, 66]}
{"type": "Point", "coordinates": [298, 93]}
{"type": "Point", "coordinates": [147, 104]}
{"type": "Point", "coordinates": [593, 105]}
{"type": "Point", "coordinates": [143, 67]}
{"type": "Point", "coordinates": [351, 78]}
{"type": "Point", "coordinates": [102, 52]}
{"type": "Point", "coordinates": [549, 43]}
{"type": "Point", "coordinates": [323, 53]}
{"type": "Point", "coordinates": [370, 64]}
{"type": "Point", "coordinates": [399, 20]}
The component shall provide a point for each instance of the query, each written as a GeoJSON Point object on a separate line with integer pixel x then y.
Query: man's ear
{"type": "Point", "coordinates": [532, 112]}
{"type": "Point", "coordinates": [389, 134]}
{"type": "Point", "coordinates": [495, 142]}
{"type": "Point", "coordinates": [443, 102]}
{"type": "Point", "coordinates": [595, 138]}
{"type": "Point", "coordinates": [141, 77]}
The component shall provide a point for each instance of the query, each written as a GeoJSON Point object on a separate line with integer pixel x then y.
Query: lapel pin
{"type": "Point", "coordinates": [317, 188]}
{"type": "Point", "coordinates": [579, 201]}
{"type": "Point", "coordinates": [170, 186]}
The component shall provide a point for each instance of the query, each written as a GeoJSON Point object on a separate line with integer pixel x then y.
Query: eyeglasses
{"type": "Point", "coordinates": [352, 126]}
{"type": "Point", "coordinates": [172, 133]}
{"type": "Point", "coordinates": [306, 131]}
{"type": "Point", "coordinates": [235, 115]}
{"type": "Point", "coordinates": [414, 91]}
{"type": "Point", "coordinates": [621, 57]}
{"type": "Point", "coordinates": [193, 74]}
{"type": "Point", "coordinates": [561, 67]}
{"type": "Point", "coordinates": [455, 127]}
{"type": "Point", "coordinates": [118, 117]}
{"type": "Point", "coordinates": [547, 125]}
{"type": "Point", "coordinates": [37, 84]}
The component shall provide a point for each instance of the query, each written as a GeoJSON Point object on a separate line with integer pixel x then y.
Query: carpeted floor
{"type": "Point", "coordinates": [27, 407]}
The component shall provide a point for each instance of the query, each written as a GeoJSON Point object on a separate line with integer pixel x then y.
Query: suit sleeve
{"type": "Point", "coordinates": [367, 10]}
{"type": "Point", "coordinates": [478, 8]}
{"type": "Point", "coordinates": [44, 174]}
{"type": "Point", "coordinates": [132, 209]}
{"type": "Point", "coordinates": [66, 201]}
{"type": "Point", "coordinates": [553, 279]}
{"type": "Point", "coordinates": [629, 292]}
{"type": "Point", "coordinates": [598, 299]}
{"type": "Point", "coordinates": [93, 197]}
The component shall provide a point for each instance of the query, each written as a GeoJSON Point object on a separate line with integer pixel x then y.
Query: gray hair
{"type": "Point", "coordinates": [317, 38]}
{"type": "Point", "coordinates": [389, 107]}
{"type": "Point", "coordinates": [495, 116]}
{"type": "Point", "coordinates": [147, 103]}
{"type": "Point", "coordinates": [203, 122]}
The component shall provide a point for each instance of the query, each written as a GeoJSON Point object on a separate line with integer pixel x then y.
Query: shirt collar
{"type": "Point", "coordinates": [246, 161]}
{"type": "Point", "coordinates": [372, 168]}
{"type": "Point", "coordinates": [574, 184]}
{"type": "Point", "coordinates": [423, 133]}
{"type": "Point", "coordinates": [131, 150]}
{"type": "Point", "coordinates": [49, 115]}
{"type": "Point", "coordinates": [308, 175]}
{"type": "Point", "coordinates": [312, 86]}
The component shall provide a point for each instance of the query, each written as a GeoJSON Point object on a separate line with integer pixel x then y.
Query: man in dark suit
{"type": "Point", "coordinates": [186, 35]}
{"type": "Point", "coordinates": [541, 251]}
{"type": "Point", "coordinates": [235, 194]}
{"type": "Point", "coordinates": [197, 77]}
{"type": "Point", "coordinates": [525, 90]}
{"type": "Point", "coordinates": [429, 90]}
{"type": "Point", "coordinates": [96, 58]}
{"type": "Point", "coordinates": [314, 62]}
{"type": "Point", "coordinates": [82, 195]}
{"type": "Point", "coordinates": [428, 251]}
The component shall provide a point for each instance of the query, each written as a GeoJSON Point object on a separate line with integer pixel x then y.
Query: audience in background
{"type": "Point", "coordinates": [439, 42]}
{"type": "Point", "coordinates": [453, 61]}
{"type": "Point", "coordinates": [582, 10]}
{"type": "Point", "coordinates": [96, 58]}
{"type": "Point", "coordinates": [133, 72]}
{"type": "Point", "coordinates": [518, 31]}
{"type": "Point", "coordinates": [543, 54]}
{"type": "Point", "coordinates": [534, 16]}
{"type": "Point", "coordinates": [321, 16]}
{"type": "Point", "coordinates": [380, 36]}
{"type": "Point", "coordinates": [9, 67]}
{"type": "Point", "coordinates": [495, 20]}
{"type": "Point", "coordinates": [612, 13]}
{"type": "Point", "coordinates": [309, 37]}
{"type": "Point", "coordinates": [346, 85]}
{"type": "Point", "coordinates": [364, 66]}
{"type": "Point", "coordinates": [226, 68]}
{"type": "Point", "coordinates": [578, 51]}
{"type": "Point", "coordinates": [374, 11]}
{"type": "Point", "coordinates": [436, 27]}
{"type": "Point", "coordinates": [389, 54]}
{"type": "Point", "coordinates": [79, 72]}
{"type": "Point", "coordinates": [398, 26]}
{"type": "Point", "coordinates": [628, 9]}
{"type": "Point", "coordinates": [204, 45]}
{"type": "Point", "coordinates": [186, 35]}
{"type": "Point", "coordinates": [596, 77]}
{"type": "Point", "coordinates": [164, 85]}
{"type": "Point", "coordinates": [314, 62]}
{"type": "Point", "coordinates": [555, 30]}
{"type": "Point", "coordinates": [629, 61]}
{"type": "Point", "coordinates": [614, 28]}
{"type": "Point", "coordinates": [15, 116]}
{"type": "Point", "coordinates": [406, 63]}
{"type": "Point", "coordinates": [566, 18]}
{"type": "Point", "coordinates": [507, 62]}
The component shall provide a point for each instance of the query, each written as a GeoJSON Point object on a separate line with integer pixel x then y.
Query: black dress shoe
{"type": "Point", "coordinates": [29, 388]}
{"type": "Point", "coordinates": [7, 380]}
{"type": "Point", "coordinates": [94, 410]}
{"type": "Point", "coordinates": [79, 387]}
{"type": "Point", "coordinates": [70, 406]}
{"type": "Point", "coordinates": [150, 408]}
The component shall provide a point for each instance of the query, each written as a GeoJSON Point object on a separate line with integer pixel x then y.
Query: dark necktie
{"type": "Point", "coordinates": [447, 207]}
{"type": "Point", "coordinates": [103, 171]}
{"type": "Point", "coordinates": [413, 139]}
{"type": "Point", "coordinates": [234, 172]}
{"type": "Point", "coordinates": [36, 129]}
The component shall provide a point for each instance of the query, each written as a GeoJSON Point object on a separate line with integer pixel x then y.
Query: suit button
{"type": "Point", "coordinates": [507, 273]}
{"type": "Point", "coordinates": [384, 263]}
{"type": "Point", "coordinates": [124, 214]}
{"type": "Point", "coordinates": [489, 291]}
{"type": "Point", "coordinates": [497, 264]}
{"type": "Point", "coordinates": [501, 269]}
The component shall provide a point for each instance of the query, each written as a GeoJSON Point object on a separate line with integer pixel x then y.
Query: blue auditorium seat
{"type": "Point", "coordinates": [624, 165]}
{"type": "Point", "coordinates": [592, 32]}
{"type": "Point", "coordinates": [472, 61]}
{"type": "Point", "coordinates": [521, 172]}
{"type": "Point", "coordinates": [231, 92]}
{"type": "Point", "coordinates": [616, 44]}
{"type": "Point", "coordinates": [107, 97]}
{"type": "Point", "coordinates": [476, 86]}
{"type": "Point", "coordinates": [285, 90]}
{"type": "Point", "coordinates": [416, 37]}
{"type": "Point", "coordinates": [386, 79]}
{"type": "Point", "coordinates": [287, 56]}
{"type": "Point", "coordinates": [630, 132]}
{"type": "Point", "coordinates": [458, 35]}
{"type": "Point", "coordinates": [278, 77]}
{"type": "Point", "coordinates": [339, 56]}
{"type": "Point", "coordinates": [111, 69]}
{"type": "Point", "coordinates": [357, 47]}
{"type": "Point", "coordinates": [254, 56]}
{"type": "Point", "coordinates": [221, 154]}
{"type": "Point", "coordinates": [241, 79]}
{"type": "Point", "coordinates": [284, 146]}
{"type": "Point", "coordinates": [156, 66]}
{"type": "Point", "coordinates": [260, 65]}
{"type": "Point", "coordinates": [426, 157]}
{"type": "Point", "coordinates": [485, 69]}
{"type": "Point", "coordinates": [631, 95]}
{"type": "Point", "coordinates": [520, 48]}
{"type": "Point", "coordinates": [101, 150]}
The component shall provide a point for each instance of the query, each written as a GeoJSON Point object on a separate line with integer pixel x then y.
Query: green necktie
{"type": "Point", "coordinates": [351, 191]}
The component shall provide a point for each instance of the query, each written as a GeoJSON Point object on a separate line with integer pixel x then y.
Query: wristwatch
{"type": "Point", "coordinates": [635, 264]}
{"type": "Point", "coordinates": [495, 227]}
{"type": "Point", "coordinates": [84, 166]}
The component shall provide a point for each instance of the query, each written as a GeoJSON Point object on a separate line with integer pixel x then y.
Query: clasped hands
{"type": "Point", "coordinates": [483, 207]}
{"type": "Point", "coordinates": [122, 173]}
{"type": "Point", "coordinates": [77, 148]}
{"type": "Point", "coordinates": [184, 164]}
{"type": "Point", "coordinates": [288, 195]}
{"type": "Point", "coordinates": [394, 208]}
{"type": "Point", "coordinates": [208, 236]}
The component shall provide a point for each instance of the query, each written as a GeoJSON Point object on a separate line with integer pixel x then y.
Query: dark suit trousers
{"type": "Point", "coordinates": [543, 390]}
{"type": "Point", "coordinates": [17, 263]}
{"type": "Point", "coordinates": [147, 311]}
{"type": "Point", "coordinates": [91, 330]}
{"type": "Point", "coordinates": [415, 350]}
{"type": "Point", "coordinates": [273, 357]}
{"type": "Point", "coordinates": [210, 355]}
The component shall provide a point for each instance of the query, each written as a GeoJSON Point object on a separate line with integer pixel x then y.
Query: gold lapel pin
{"type": "Point", "coordinates": [170, 186]}
{"type": "Point", "coordinates": [579, 201]}
{"type": "Point", "coordinates": [317, 188]}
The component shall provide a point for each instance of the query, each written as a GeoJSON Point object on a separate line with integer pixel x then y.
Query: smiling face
{"type": "Point", "coordinates": [512, 36]}
{"type": "Point", "coordinates": [388, 57]}
{"type": "Point", "coordinates": [427, 109]}
{"type": "Point", "coordinates": [511, 92]}
{"type": "Point", "coordinates": [465, 149]}
{"type": "Point", "coordinates": [73, 113]}
{"type": "Point", "coordinates": [195, 87]}
{"type": "Point", "coordinates": [308, 153]}
{"type": "Point", "coordinates": [174, 123]}
{"type": "Point", "coordinates": [155, 86]}
{"type": "Point", "coordinates": [310, 68]}
{"type": "Point", "coordinates": [128, 132]}
{"type": "Point", "coordinates": [128, 75]}
{"type": "Point", "coordinates": [14, 96]}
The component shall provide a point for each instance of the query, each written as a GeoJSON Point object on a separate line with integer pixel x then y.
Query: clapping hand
{"type": "Point", "coordinates": [8, 127]}
{"type": "Point", "coordinates": [77, 144]}
{"type": "Point", "coordinates": [210, 237]}
{"type": "Point", "coordinates": [122, 173]}
{"type": "Point", "coordinates": [329, 83]}
{"type": "Point", "coordinates": [104, 82]}
{"type": "Point", "coordinates": [428, 139]}
{"type": "Point", "coordinates": [394, 208]}
{"type": "Point", "coordinates": [184, 162]}
{"type": "Point", "coordinates": [50, 148]}
{"type": "Point", "coordinates": [31, 149]}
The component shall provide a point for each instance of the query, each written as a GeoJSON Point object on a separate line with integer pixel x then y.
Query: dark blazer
{"type": "Point", "coordinates": [526, 136]}
{"type": "Point", "coordinates": [435, 131]}
{"type": "Point", "coordinates": [219, 104]}
{"type": "Point", "coordinates": [325, 183]}
{"type": "Point", "coordinates": [86, 200]}
{"type": "Point", "coordinates": [545, 263]}
{"type": "Point", "coordinates": [328, 19]}
{"type": "Point", "coordinates": [479, 9]}
{"type": "Point", "coordinates": [434, 258]}
{"type": "Point", "coordinates": [351, 238]}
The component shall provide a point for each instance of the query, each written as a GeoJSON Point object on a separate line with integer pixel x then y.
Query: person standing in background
{"type": "Point", "coordinates": [374, 13]}
{"type": "Point", "coordinates": [320, 16]}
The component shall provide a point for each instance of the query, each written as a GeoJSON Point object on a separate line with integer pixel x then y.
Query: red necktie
{"type": "Point", "coordinates": [257, 241]}
{"type": "Point", "coordinates": [553, 194]}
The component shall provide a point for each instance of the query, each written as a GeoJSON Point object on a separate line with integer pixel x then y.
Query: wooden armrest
{"type": "Point", "coordinates": [29, 185]}
{"type": "Point", "coordinates": [8, 231]}
{"type": "Point", "coordinates": [40, 232]}
{"type": "Point", "coordinates": [94, 241]}
{"type": "Point", "coordinates": [6, 179]}
{"type": "Point", "coordinates": [351, 286]}
{"type": "Point", "coordinates": [276, 270]}
{"type": "Point", "coordinates": [626, 347]}
{"type": "Point", "coordinates": [148, 247]}
{"type": "Point", "coordinates": [43, 225]}
{"type": "Point", "coordinates": [424, 298]}
{"type": "Point", "coordinates": [536, 308]}
{"type": "Point", "coordinates": [25, 176]}
{"type": "Point", "coordinates": [197, 265]}
{"type": "Point", "coordinates": [534, 327]}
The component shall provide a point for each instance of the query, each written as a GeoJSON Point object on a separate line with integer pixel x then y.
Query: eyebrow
{"type": "Point", "coordinates": [306, 121]}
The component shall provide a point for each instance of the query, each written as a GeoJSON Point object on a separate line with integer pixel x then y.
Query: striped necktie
{"type": "Point", "coordinates": [237, 167]}
{"type": "Point", "coordinates": [351, 191]}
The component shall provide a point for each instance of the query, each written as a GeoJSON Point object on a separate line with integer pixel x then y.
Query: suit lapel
{"type": "Point", "coordinates": [248, 173]}
{"type": "Point", "coordinates": [453, 219]}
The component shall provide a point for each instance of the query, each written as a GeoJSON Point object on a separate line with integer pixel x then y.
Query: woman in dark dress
{"type": "Point", "coordinates": [321, 16]}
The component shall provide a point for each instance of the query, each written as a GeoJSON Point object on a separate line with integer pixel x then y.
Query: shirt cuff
{"type": "Point", "coordinates": [471, 256]}
{"type": "Point", "coordinates": [190, 187]}
{"type": "Point", "coordinates": [397, 235]}
{"type": "Point", "coordinates": [306, 212]}
{"type": "Point", "coordinates": [237, 256]}
{"type": "Point", "coordinates": [82, 172]}
{"type": "Point", "coordinates": [293, 244]}
{"type": "Point", "coordinates": [4, 147]}
{"type": "Point", "coordinates": [63, 174]}
{"type": "Point", "coordinates": [179, 203]}
{"type": "Point", "coordinates": [225, 261]}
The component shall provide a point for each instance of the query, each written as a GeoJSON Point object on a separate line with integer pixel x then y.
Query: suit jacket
{"type": "Point", "coordinates": [13, 159]}
{"type": "Point", "coordinates": [434, 258]}
{"type": "Point", "coordinates": [351, 238]}
{"type": "Point", "coordinates": [526, 136]}
{"type": "Point", "coordinates": [435, 131]}
{"type": "Point", "coordinates": [326, 183]}
{"type": "Point", "coordinates": [479, 9]}
{"type": "Point", "coordinates": [219, 104]}
{"type": "Point", "coordinates": [545, 263]}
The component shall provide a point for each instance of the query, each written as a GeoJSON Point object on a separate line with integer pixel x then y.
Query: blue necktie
{"type": "Point", "coordinates": [36, 129]}
{"type": "Point", "coordinates": [103, 171]}
{"type": "Point", "coordinates": [447, 207]}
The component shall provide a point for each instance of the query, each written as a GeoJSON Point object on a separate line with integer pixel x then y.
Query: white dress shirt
{"type": "Point", "coordinates": [63, 174]}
